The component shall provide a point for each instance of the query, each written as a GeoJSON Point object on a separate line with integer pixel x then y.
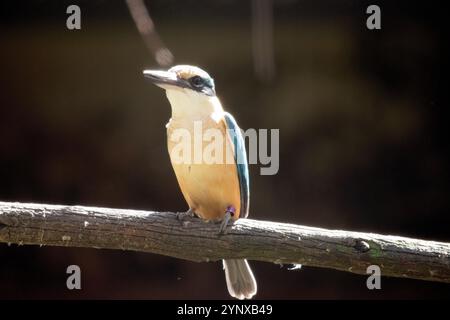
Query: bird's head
{"type": "Point", "coordinates": [189, 89]}
{"type": "Point", "coordinates": [183, 78]}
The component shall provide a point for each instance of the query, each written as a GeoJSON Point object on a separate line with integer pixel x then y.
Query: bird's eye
{"type": "Point", "coordinates": [197, 81]}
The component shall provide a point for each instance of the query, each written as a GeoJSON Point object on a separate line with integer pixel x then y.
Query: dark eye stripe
{"type": "Point", "coordinates": [209, 83]}
{"type": "Point", "coordinates": [200, 84]}
{"type": "Point", "coordinates": [197, 81]}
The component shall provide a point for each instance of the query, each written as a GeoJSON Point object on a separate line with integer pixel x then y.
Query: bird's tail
{"type": "Point", "coordinates": [240, 280]}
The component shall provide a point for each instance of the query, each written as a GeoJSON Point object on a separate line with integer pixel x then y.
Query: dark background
{"type": "Point", "coordinates": [361, 118]}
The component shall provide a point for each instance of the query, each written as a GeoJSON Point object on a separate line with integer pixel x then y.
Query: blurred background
{"type": "Point", "coordinates": [360, 112]}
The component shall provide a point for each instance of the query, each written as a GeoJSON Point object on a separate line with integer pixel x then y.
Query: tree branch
{"type": "Point", "coordinates": [196, 240]}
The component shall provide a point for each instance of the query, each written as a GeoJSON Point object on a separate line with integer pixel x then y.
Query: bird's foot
{"type": "Point", "coordinates": [228, 214]}
{"type": "Point", "coordinates": [181, 216]}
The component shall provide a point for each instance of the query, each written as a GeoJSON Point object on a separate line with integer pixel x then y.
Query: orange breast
{"type": "Point", "coordinates": [208, 188]}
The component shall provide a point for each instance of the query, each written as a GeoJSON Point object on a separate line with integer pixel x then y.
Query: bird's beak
{"type": "Point", "coordinates": [163, 79]}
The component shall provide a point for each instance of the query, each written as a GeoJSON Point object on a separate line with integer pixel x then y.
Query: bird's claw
{"type": "Point", "coordinates": [224, 224]}
{"type": "Point", "coordinates": [181, 216]}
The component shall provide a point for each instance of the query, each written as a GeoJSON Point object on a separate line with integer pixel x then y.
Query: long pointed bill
{"type": "Point", "coordinates": [164, 78]}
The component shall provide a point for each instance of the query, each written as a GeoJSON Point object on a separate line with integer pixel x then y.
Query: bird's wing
{"type": "Point", "coordinates": [240, 156]}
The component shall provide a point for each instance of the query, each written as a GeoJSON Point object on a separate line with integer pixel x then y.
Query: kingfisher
{"type": "Point", "coordinates": [213, 190]}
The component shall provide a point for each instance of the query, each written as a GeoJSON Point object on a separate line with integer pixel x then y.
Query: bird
{"type": "Point", "coordinates": [217, 191]}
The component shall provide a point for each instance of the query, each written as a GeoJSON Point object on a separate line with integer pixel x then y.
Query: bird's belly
{"type": "Point", "coordinates": [209, 188]}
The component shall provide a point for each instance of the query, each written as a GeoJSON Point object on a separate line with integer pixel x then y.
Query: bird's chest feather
{"type": "Point", "coordinates": [204, 166]}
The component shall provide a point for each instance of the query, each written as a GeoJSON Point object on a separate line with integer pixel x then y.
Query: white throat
{"type": "Point", "coordinates": [190, 105]}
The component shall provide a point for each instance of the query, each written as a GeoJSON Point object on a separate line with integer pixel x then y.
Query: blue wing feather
{"type": "Point", "coordinates": [240, 156]}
